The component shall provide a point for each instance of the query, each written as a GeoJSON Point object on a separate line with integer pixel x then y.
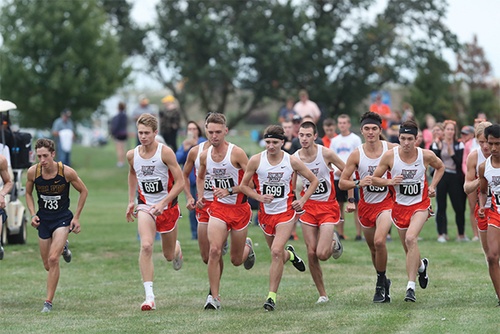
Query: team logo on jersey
{"type": "Point", "coordinates": [274, 177]}
{"type": "Point", "coordinates": [371, 169]}
{"type": "Point", "coordinates": [408, 173]}
{"type": "Point", "coordinates": [147, 170]}
{"type": "Point", "coordinates": [495, 180]}
{"type": "Point", "coordinates": [315, 171]}
{"type": "Point", "coordinates": [219, 171]}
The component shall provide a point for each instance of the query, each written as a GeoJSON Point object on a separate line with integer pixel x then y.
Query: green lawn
{"type": "Point", "coordinates": [100, 291]}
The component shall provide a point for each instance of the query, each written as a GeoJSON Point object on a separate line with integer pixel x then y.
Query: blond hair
{"type": "Point", "coordinates": [148, 120]}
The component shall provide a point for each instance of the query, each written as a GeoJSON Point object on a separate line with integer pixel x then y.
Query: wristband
{"type": "Point", "coordinates": [33, 217]}
{"type": "Point", "coordinates": [357, 184]}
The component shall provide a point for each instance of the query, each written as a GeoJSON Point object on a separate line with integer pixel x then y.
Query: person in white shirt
{"type": "Point", "coordinates": [343, 145]}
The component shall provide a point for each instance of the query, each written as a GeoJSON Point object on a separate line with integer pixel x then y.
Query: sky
{"type": "Point", "coordinates": [465, 18]}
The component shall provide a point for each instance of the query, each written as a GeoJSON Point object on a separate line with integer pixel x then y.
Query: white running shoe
{"type": "Point", "coordinates": [47, 307]}
{"type": "Point", "coordinates": [212, 303]}
{"type": "Point", "coordinates": [250, 261]}
{"type": "Point", "coordinates": [322, 300]}
{"type": "Point", "coordinates": [339, 249]}
{"type": "Point", "coordinates": [177, 262]}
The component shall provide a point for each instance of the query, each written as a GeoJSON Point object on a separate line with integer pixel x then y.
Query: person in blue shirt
{"type": "Point", "coordinates": [193, 138]}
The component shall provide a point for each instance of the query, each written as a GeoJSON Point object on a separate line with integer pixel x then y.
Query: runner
{"type": "Point", "coordinates": [375, 203]}
{"type": "Point", "coordinates": [156, 175]}
{"type": "Point", "coordinates": [224, 164]}
{"type": "Point", "coordinates": [489, 176]}
{"type": "Point", "coordinates": [322, 211]}
{"type": "Point", "coordinates": [272, 173]}
{"type": "Point", "coordinates": [408, 166]}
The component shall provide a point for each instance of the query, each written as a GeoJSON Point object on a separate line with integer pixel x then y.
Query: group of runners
{"type": "Point", "coordinates": [391, 180]}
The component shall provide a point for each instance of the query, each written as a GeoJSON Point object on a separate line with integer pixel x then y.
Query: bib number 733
{"type": "Point", "coordinates": [50, 202]}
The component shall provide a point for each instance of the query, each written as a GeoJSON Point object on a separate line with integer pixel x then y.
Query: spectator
{"type": "Point", "coordinates": [466, 136]}
{"type": "Point", "coordinates": [450, 151]}
{"type": "Point", "coordinates": [194, 137]}
{"type": "Point", "coordinates": [306, 107]}
{"type": "Point", "coordinates": [287, 112]}
{"type": "Point", "coordinates": [343, 145]}
{"type": "Point", "coordinates": [383, 110]}
{"type": "Point", "coordinates": [170, 119]}
{"type": "Point", "coordinates": [427, 133]}
{"type": "Point", "coordinates": [63, 132]}
{"type": "Point", "coordinates": [288, 128]}
{"type": "Point", "coordinates": [143, 108]}
{"type": "Point", "coordinates": [119, 132]}
{"type": "Point", "coordinates": [408, 113]}
{"type": "Point", "coordinates": [393, 128]}
{"type": "Point", "coordinates": [330, 129]}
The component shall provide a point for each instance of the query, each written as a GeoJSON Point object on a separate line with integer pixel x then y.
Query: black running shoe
{"type": "Point", "coordinates": [269, 305]}
{"type": "Point", "coordinates": [379, 296]}
{"type": "Point", "coordinates": [66, 253]}
{"type": "Point", "coordinates": [297, 261]}
{"type": "Point", "coordinates": [410, 295]}
{"type": "Point", "coordinates": [387, 292]}
{"type": "Point", "coordinates": [423, 279]}
{"type": "Point", "coordinates": [1, 252]}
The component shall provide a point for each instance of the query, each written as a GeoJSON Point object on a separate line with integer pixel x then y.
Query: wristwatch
{"type": "Point", "coordinates": [230, 190]}
{"type": "Point", "coordinates": [351, 200]}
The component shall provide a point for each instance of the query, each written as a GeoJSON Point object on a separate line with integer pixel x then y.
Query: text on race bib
{"type": "Point", "coordinates": [376, 189]}
{"type": "Point", "coordinates": [152, 187]}
{"type": "Point", "coordinates": [320, 190]}
{"type": "Point", "coordinates": [277, 190]}
{"type": "Point", "coordinates": [223, 183]}
{"type": "Point", "coordinates": [50, 202]}
{"type": "Point", "coordinates": [409, 189]}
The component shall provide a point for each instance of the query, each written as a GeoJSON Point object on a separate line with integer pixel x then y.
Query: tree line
{"type": "Point", "coordinates": [75, 54]}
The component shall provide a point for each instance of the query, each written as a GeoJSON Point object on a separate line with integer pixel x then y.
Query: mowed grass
{"type": "Point", "coordinates": [101, 290]}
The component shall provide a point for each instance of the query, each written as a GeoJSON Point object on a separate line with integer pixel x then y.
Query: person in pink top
{"type": "Point", "coordinates": [306, 107]}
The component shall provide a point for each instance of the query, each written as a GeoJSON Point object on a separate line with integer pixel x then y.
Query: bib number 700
{"type": "Point", "coordinates": [409, 189]}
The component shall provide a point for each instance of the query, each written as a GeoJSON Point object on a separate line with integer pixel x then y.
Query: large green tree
{"type": "Point", "coordinates": [58, 54]}
{"type": "Point", "coordinates": [432, 90]}
{"type": "Point", "coordinates": [254, 50]}
{"type": "Point", "coordinates": [475, 72]}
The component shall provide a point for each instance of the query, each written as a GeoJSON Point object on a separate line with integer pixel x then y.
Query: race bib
{"type": "Point", "coordinates": [277, 190]}
{"type": "Point", "coordinates": [409, 189]}
{"type": "Point", "coordinates": [51, 202]}
{"type": "Point", "coordinates": [376, 189]}
{"type": "Point", "coordinates": [320, 190]}
{"type": "Point", "coordinates": [152, 186]}
{"type": "Point", "coordinates": [224, 183]}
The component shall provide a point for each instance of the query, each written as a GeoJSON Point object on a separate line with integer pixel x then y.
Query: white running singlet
{"type": "Point", "coordinates": [371, 194]}
{"type": "Point", "coordinates": [224, 175]}
{"type": "Point", "coordinates": [153, 177]}
{"type": "Point", "coordinates": [275, 180]}
{"type": "Point", "coordinates": [413, 188]}
{"type": "Point", "coordinates": [492, 175]}
{"type": "Point", "coordinates": [326, 189]}
{"type": "Point", "coordinates": [208, 192]}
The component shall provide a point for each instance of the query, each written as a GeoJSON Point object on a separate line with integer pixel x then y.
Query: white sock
{"type": "Point", "coordinates": [148, 288]}
{"type": "Point", "coordinates": [422, 267]}
{"type": "Point", "coordinates": [411, 285]}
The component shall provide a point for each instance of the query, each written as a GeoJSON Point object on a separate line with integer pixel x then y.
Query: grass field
{"type": "Point", "coordinates": [100, 291]}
